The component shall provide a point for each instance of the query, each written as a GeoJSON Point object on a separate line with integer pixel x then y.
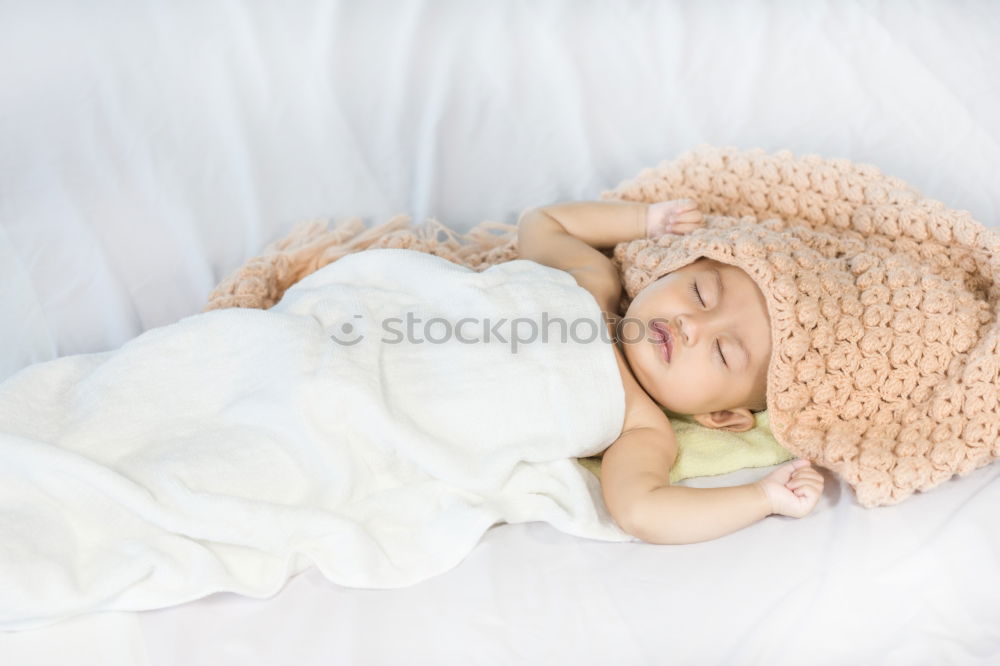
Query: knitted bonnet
{"type": "Point", "coordinates": [885, 356]}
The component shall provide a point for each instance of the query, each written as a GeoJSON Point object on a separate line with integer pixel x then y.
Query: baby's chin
{"type": "Point", "coordinates": [659, 394]}
{"type": "Point", "coordinates": [674, 414]}
{"type": "Point", "coordinates": [675, 409]}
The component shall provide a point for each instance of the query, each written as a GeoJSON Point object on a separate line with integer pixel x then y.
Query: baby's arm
{"type": "Point", "coordinates": [570, 237]}
{"type": "Point", "coordinates": [635, 482]}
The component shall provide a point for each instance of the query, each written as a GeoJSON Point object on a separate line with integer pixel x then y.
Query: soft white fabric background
{"type": "Point", "coordinates": [147, 148]}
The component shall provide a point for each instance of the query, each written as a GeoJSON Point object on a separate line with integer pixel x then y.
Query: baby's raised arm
{"type": "Point", "coordinates": [570, 236]}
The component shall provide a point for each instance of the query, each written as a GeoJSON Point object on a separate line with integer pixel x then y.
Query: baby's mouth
{"type": "Point", "coordinates": [664, 341]}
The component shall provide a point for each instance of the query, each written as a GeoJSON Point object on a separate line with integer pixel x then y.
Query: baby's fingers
{"type": "Point", "coordinates": [806, 475]}
{"type": "Point", "coordinates": [687, 216]}
{"type": "Point", "coordinates": [811, 476]}
{"type": "Point", "coordinates": [801, 489]}
{"type": "Point", "coordinates": [681, 205]}
{"type": "Point", "coordinates": [807, 472]}
{"type": "Point", "coordinates": [805, 488]}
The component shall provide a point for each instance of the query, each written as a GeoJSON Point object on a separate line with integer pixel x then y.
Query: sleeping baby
{"type": "Point", "coordinates": [234, 448]}
{"type": "Point", "coordinates": [695, 341]}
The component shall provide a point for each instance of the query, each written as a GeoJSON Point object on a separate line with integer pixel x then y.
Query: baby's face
{"type": "Point", "coordinates": [721, 344]}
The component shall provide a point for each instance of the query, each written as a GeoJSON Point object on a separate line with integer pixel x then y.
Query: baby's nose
{"type": "Point", "coordinates": [685, 329]}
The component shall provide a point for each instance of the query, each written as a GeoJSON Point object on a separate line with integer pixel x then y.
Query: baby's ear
{"type": "Point", "coordinates": [734, 420]}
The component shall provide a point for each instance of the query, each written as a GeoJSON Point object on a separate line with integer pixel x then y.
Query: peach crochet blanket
{"type": "Point", "coordinates": [882, 302]}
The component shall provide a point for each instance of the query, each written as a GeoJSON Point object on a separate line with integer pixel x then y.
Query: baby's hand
{"type": "Point", "coordinates": [793, 489]}
{"type": "Point", "coordinates": [680, 216]}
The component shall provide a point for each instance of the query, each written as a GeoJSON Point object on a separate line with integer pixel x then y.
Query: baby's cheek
{"type": "Point", "coordinates": [630, 329]}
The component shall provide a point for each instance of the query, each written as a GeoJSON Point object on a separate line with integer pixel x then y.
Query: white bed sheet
{"type": "Point", "coordinates": [148, 148]}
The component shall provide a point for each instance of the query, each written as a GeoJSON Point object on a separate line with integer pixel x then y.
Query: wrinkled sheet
{"type": "Point", "coordinates": [149, 148]}
{"type": "Point", "coordinates": [235, 448]}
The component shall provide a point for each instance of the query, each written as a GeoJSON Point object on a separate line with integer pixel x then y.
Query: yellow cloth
{"type": "Point", "coordinates": [705, 451]}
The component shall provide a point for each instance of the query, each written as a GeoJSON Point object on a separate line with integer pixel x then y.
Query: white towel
{"type": "Point", "coordinates": [235, 448]}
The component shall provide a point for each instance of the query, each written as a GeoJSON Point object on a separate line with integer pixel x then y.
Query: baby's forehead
{"type": "Point", "coordinates": [706, 263]}
{"type": "Point", "coordinates": [733, 272]}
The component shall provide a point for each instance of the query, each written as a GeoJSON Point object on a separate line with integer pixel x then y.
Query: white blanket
{"type": "Point", "coordinates": [235, 448]}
